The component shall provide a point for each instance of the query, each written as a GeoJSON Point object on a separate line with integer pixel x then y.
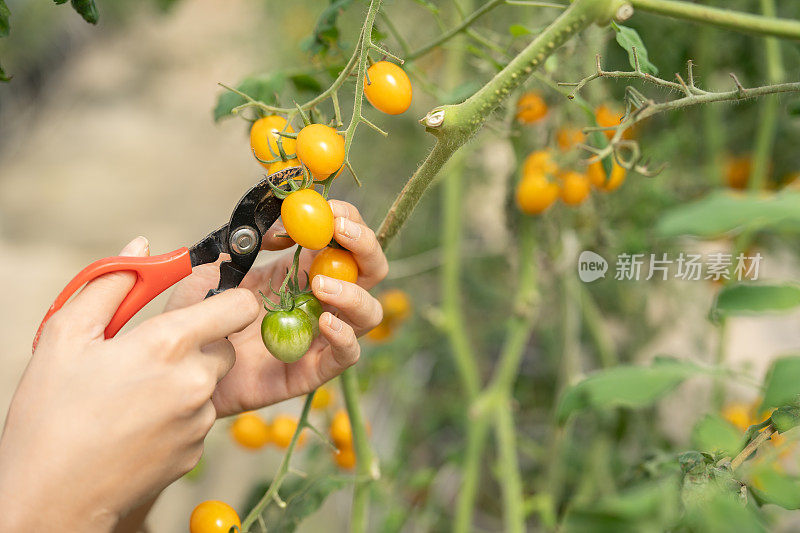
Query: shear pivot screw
{"type": "Point", "coordinates": [243, 240]}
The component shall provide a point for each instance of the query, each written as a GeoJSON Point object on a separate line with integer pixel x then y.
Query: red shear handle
{"type": "Point", "coordinates": [154, 275]}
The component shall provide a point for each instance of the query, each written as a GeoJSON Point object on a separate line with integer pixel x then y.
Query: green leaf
{"type": "Point", "coordinates": [648, 507]}
{"type": "Point", "coordinates": [87, 9]}
{"type": "Point", "coordinates": [261, 88]}
{"type": "Point", "coordinates": [628, 38]}
{"type": "Point", "coordinates": [5, 13]}
{"type": "Point", "coordinates": [755, 299]}
{"type": "Point", "coordinates": [713, 434]}
{"type": "Point", "coordinates": [518, 30]}
{"type": "Point", "coordinates": [326, 32]}
{"type": "Point", "coordinates": [716, 511]}
{"type": "Point", "coordinates": [302, 496]}
{"type": "Point", "coordinates": [3, 77]}
{"type": "Point", "coordinates": [772, 486]}
{"type": "Point", "coordinates": [782, 384]}
{"type": "Point", "coordinates": [624, 386]}
{"type": "Point", "coordinates": [304, 82]}
{"type": "Point", "coordinates": [725, 212]}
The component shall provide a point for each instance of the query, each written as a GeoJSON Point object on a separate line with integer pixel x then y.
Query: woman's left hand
{"type": "Point", "coordinates": [257, 379]}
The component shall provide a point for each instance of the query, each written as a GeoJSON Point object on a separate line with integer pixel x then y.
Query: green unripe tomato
{"type": "Point", "coordinates": [311, 306]}
{"type": "Point", "coordinates": [287, 334]}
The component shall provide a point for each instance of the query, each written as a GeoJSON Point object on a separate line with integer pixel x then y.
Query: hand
{"type": "Point", "coordinates": [98, 426]}
{"type": "Point", "coordinates": [258, 379]}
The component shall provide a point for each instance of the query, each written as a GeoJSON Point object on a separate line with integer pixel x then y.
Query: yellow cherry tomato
{"type": "Point", "coordinates": [308, 219]}
{"type": "Point", "coordinates": [396, 305]}
{"type": "Point", "coordinates": [283, 428]}
{"type": "Point", "coordinates": [607, 117]}
{"type": "Point", "coordinates": [322, 398]}
{"type": "Point", "coordinates": [737, 171]}
{"type": "Point", "coordinates": [320, 149]}
{"type": "Point", "coordinates": [213, 516]}
{"type": "Point", "coordinates": [575, 188]}
{"type": "Point", "coordinates": [537, 163]}
{"type": "Point", "coordinates": [380, 333]}
{"type": "Point", "coordinates": [388, 88]}
{"type": "Point", "coordinates": [250, 431]}
{"type": "Point", "coordinates": [567, 138]}
{"type": "Point", "coordinates": [597, 175]}
{"type": "Point", "coordinates": [341, 432]}
{"type": "Point", "coordinates": [264, 138]}
{"type": "Point", "coordinates": [531, 108]}
{"type": "Point", "coordinates": [535, 194]}
{"type": "Point", "coordinates": [334, 263]}
{"type": "Point", "coordinates": [345, 458]}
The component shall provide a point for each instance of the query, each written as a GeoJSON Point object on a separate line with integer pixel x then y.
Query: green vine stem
{"type": "Point", "coordinates": [453, 125]}
{"type": "Point", "coordinates": [508, 468]}
{"type": "Point", "coordinates": [723, 18]}
{"type": "Point", "coordinates": [767, 130]}
{"type": "Point", "coordinates": [466, 23]}
{"type": "Point", "coordinates": [367, 468]}
{"type": "Point", "coordinates": [283, 470]}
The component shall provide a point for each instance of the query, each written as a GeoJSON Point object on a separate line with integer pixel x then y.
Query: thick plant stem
{"type": "Point", "coordinates": [367, 469]}
{"type": "Point", "coordinates": [461, 121]}
{"type": "Point", "coordinates": [497, 396]}
{"type": "Point", "coordinates": [520, 325]}
{"type": "Point", "coordinates": [723, 18]}
{"type": "Point", "coordinates": [511, 485]}
{"type": "Point", "coordinates": [767, 130]}
{"type": "Point", "coordinates": [476, 442]}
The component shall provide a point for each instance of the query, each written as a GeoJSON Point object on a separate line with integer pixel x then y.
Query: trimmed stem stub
{"type": "Point", "coordinates": [624, 12]}
{"type": "Point", "coordinates": [433, 119]}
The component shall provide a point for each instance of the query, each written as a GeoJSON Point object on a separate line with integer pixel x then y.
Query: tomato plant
{"type": "Point", "coordinates": [529, 367]}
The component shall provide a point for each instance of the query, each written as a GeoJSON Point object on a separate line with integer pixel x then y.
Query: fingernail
{"type": "Point", "coordinates": [349, 229]}
{"type": "Point", "coordinates": [334, 323]}
{"type": "Point", "coordinates": [328, 285]}
{"type": "Point", "coordinates": [137, 247]}
{"type": "Point", "coordinates": [338, 209]}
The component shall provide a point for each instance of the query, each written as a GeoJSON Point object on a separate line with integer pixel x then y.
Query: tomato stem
{"type": "Point", "coordinates": [283, 470]}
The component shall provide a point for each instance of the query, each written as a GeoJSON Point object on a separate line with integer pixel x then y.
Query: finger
{"type": "Point", "coordinates": [359, 307]}
{"type": "Point", "coordinates": [94, 306]}
{"type": "Point", "coordinates": [276, 238]}
{"type": "Point", "coordinates": [214, 318]}
{"type": "Point", "coordinates": [369, 256]}
{"type": "Point", "coordinates": [344, 347]}
{"type": "Point", "coordinates": [346, 210]}
{"type": "Point", "coordinates": [219, 357]}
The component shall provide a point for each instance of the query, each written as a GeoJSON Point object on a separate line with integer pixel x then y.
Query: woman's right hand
{"type": "Point", "coordinates": [98, 426]}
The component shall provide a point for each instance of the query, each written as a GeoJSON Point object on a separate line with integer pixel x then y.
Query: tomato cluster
{"type": "Point", "coordinates": [252, 432]}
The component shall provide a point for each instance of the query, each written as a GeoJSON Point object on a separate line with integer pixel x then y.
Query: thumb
{"type": "Point", "coordinates": [92, 308]}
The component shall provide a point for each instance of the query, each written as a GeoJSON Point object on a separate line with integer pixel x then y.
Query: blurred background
{"type": "Point", "coordinates": [107, 133]}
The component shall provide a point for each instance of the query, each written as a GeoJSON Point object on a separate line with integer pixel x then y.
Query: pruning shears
{"type": "Point", "coordinates": [241, 237]}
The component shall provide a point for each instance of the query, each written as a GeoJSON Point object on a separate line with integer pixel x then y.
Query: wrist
{"type": "Point", "coordinates": [26, 506]}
